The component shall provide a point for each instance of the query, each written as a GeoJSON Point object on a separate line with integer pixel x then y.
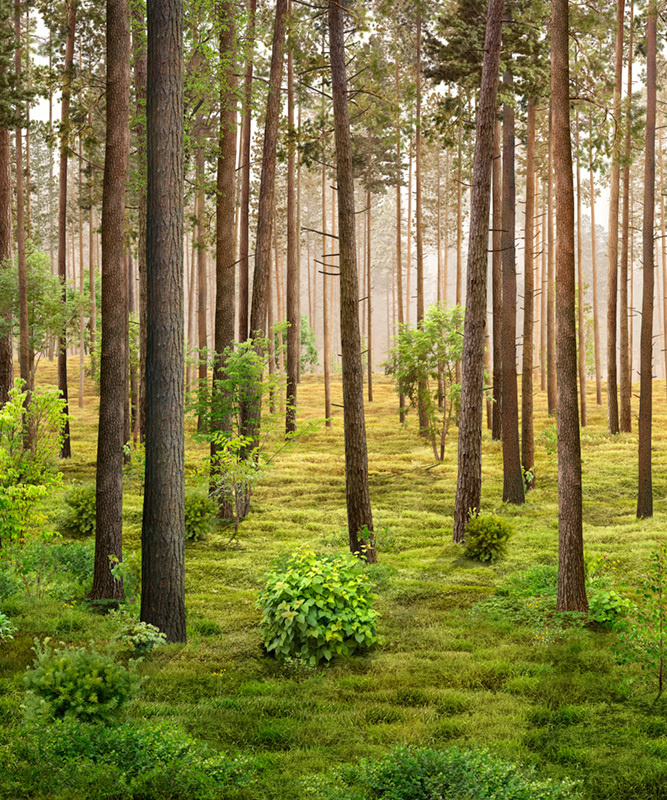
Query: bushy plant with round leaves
{"type": "Point", "coordinates": [200, 510]}
{"type": "Point", "coordinates": [80, 517]}
{"type": "Point", "coordinates": [139, 637]}
{"type": "Point", "coordinates": [606, 607]}
{"type": "Point", "coordinates": [317, 607]}
{"type": "Point", "coordinates": [486, 537]}
{"type": "Point", "coordinates": [7, 628]}
{"type": "Point", "coordinates": [78, 682]}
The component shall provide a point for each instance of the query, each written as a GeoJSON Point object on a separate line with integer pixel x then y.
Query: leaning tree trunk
{"type": "Point", "coordinates": [163, 530]}
{"type": "Point", "coordinates": [359, 515]}
{"type": "Point", "coordinates": [571, 578]}
{"type": "Point", "coordinates": [645, 493]}
{"type": "Point", "coordinates": [527, 444]}
{"type": "Point", "coordinates": [469, 485]}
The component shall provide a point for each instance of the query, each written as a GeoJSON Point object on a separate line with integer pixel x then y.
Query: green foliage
{"type": "Point", "coordinates": [129, 572]}
{"type": "Point", "coordinates": [309, 356]}
{"type": "Point", "coordinates": [549, 439]}
{"type": "Point", "coordinates": [129, 761]}
{"type": "Point", "coordinates": [486, 537]}
{"type": "Point", "coordinates": [78, 682]}
{"type": "Point", "coordinates": [317, 607]}
{"type": "Point", "coordinates": [80, 518]}
{"type": "Point", "coordinates": [200, 511]}
{"type": "Point", "coordinates": [643, 634]}
{"type": "Point", "coordinates": [424, 364]}
{"type": "Point", "coordinates": [605, 606]}
{"type": "Point", "coordinates": [7, 629]}
{"type": "Point", "coordinates": [140, 637]}
{"type": "Point", "coordinates": [422, 774]}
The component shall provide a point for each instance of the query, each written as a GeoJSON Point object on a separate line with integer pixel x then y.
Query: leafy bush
{"type": "Point", "coordinates": [80, 516]}
{"type": "Point", "coordinates": [317, 607]}
{"type": "Point", "coordinates": [486, 537]}
{"type": "Point", "coordinates": [200, 510]}
{"type": "Point", "coordinates": [129, 571]}
{"type": "Point", "coordinates": [78, 682]}
{"type": "Point", "coordinates": [422, 774]}
{"type": "Point", "coordinates": [605, 606]}
{"type": "Point", "coordinates": [7, 629]}
{"type": "Point", "coordinates": [77, 559]}
{"type": "Point", "coordinates": [140, 637]}
{"type": "Point", "coordinates": [123, 762]}
{"type": "Point", "coordinates": [8, 584]}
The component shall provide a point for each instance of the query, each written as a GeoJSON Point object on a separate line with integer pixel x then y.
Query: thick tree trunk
{"type": "Point", "coordinates": [293, 238]}
{"type": "Point", "coordinates": [497, 283]}
{"type": "Point", "coordinates": [359, 515]}
{"type": "Point", "coordinates": [113, 375]}
{"type": "Point", "coordinates": [66, 449]}
{"type": "Point", "coordinates": [469, 484]}
{"type": "Point", "coordinates": [645, 493]}
{"type": "Point", "coordinates": [163, 530]}
{"type": "Point", "coordinates": [527, 444]}
{"type": "Point", "coordinates": [571, 578]}
{"type": "Point", "coordinates": [625, 356]}
{"type": "Point", "coordinates": [6, 350]}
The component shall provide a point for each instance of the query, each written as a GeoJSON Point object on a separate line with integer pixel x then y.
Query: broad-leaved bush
{"type": "Point", "coordinates": [486, 537]}
{"type": "Point", "coordinates": [317, 607]}
{"type": "Point", "coordinates": [139, 637]}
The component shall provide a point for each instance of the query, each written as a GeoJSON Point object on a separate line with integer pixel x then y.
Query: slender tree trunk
{"type": "Point", "coordinates": [645, 493]}
{"type": "Point", "coordinates": [663, 240]}
{"type": "Point", "coordinates": [580, 297]}
{"type": "Point", "coordinates": [544, 271]}
{"type": "Point", "coordinates": [408, 236]}
{"type": "Point", "coordinates": [113, 363]}
{"type": "Point", "coordinates": [292, 259]}
{"type": "Point", "coordinates": [81, 315]}
{"type": "Point", "coordinates": [571, 577]}
{"type": "Point", "coordinates": [612, 238]}
{"type": "Point", "coordinates": [596, 315]}
{"type": "Point", "coordinates": [551, 277]}
{"type": "Point", "coordinates": [359, 515]}
{"type": "Point", "coordinates": [325, 305]}
{"type": "Point", "coordinates": [369, 342]}
{"type": "Point", "coordinates": [469, 484]}
{"type": "Point", "coordinates": [625, 359]}
{"type": "Point", "coordinates": [497, 284]}
{"type": "Point", "coordinates": [459, 218]}
{"type": "Point", "coordinates": [202, 266]}
{"type": "Point", "coordinates": [527, 444]}
{"type": "Point", "coordinates": [6, 350]}
{"type": "Point", "coordinates": [66, 449]}
{"type": "Point", "coordinates": [399, 227]}
{"type": "Point", "coordinates": [163, 530]}
{"type": "Point", "coordinates": [423, 413]}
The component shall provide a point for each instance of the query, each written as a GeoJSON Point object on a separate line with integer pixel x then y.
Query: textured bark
{"type": "Point", "coordinates": [6, 350]}
{"type": "Point", "coordinates": [612, 238]}
{"type": "Point", "coordinates": [359, 516]}
{"type": "Point", "coordinates": [645, 492]}
{"type": "Point", "coordinates": [551, 277]}
{"type": "Point", "coordinates": [163, 530]}
{"type": "Point", "coordinates": [513, 490]}
{"type": "Point", "coordinates": [527, 443]}
{"type": "Point", "coordinates": [497, 283]}
{"type": "Point", "coordinates": [469, 485]}
{"type": "Point", "coordinates": [66, 449]}
{"type": "Point", "coordinates": [581, 332]}
{"type": "Point", "coordinates": [293, 343]}
{"type": "Point", "coordinates": [113, 375]}
{"type": "Point", "coordinates": [244, 211]}
{"type": "Point", "coordinates": [571, 578]}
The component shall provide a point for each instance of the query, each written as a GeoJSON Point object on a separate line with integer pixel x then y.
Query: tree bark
{"type": "Point", "coordinates": [645, 492]}
{"type": "Point", "coordinates": [6, 349]}
{"type": "Point", "coordinates": [497, 283]}
{"type": "Point", "coordinates": [399, 222]}
{"type": "Point", "coordinates": [369, 340]}
{"type": "Point", "coordinates": [113, 375]}
{"type": "Point", "coordinates": [469, 484]}
{"type": "Point", "coordinates": [163, 530]}
{"type": "Point", "coordinates": [551, 277]}
{"type": "Point", "coordinates": [293, 237]}
{"type": "Point", "coordinates": [596, 315]}
{"type": "Point", "coordinates": [571, 577]}
{"type": "Point", "coordinates": [359, 515]}
{"type": "Point", "coordinates": [581, 324]}
{"type": "Point", "coordinates": [527, 444]}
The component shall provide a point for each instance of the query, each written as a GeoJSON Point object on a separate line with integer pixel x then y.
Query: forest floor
{"type": "Point", "coordinates": [471, 655]}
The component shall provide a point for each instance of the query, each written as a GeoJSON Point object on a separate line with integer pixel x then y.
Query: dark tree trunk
{"type": "Point", "coordinates": [66, 449]}
{"type": "Point", "coordinates": [113, 374]}
{"type": "Point", "coordinates": [469, 485]}
{"type": "Point", "coordinates": [513, 491]}
{"type": "Point", "coordinates": [6, 350]}
{"type": "Point", "coordinates": [645, 493]}
{"type": "Point", "coordinates": [571, 578]}
{"type": "Point", "coordinates": [527, 444]}
{"type": "Point", "coordinates": [293, 239]}
{"type": "Point", "coordinates": [359, 515]}
{"type": "Point", "coordinates": [163, 530]}
{"type": "Point", "coordinates": [497, 284]}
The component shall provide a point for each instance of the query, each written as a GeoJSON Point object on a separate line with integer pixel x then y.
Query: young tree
{"type": "Point", "coordinates": [163, 530]}
{"type": "Point", "coordinates": [469, 484]}
{"type": "Point", "coordinates": [571, 577]}
{"type": "Point", "coordinates": [359, 515]}
{"type": "Point", "coordinates": [113, 359]}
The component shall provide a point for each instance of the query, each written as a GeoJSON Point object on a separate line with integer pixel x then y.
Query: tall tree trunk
{"type": "Point", "coordinates": [580, 297]}
{"type": "Point", "coordinates": [469, 484]}
{"type": "Point", "coordinates": [359, 515]}
{"type": "Point", "coordinates": [663, 240]}
{"type": "Point", "coordinates": [459, 217]}
{"type": "Point", "coordinates": [423, 413]}
{"type": "Point", "coordinates": [202, 266]}
{"type": "Point", "coordinates": [369, 341]}
{"type": "Point", "coordinates": [66, 449]}
{"type": "Point", "coordinates": [113, 364]}
{"type": "Point", "coordinates": [293, 237]}
{"type": "Point", "coordinates": [645, 493]}
{"type": "Point", "coordinates": [244, 213]}
{"type": "Point", "coordinates": [497, 283]}
{"type": "Point", "coordinates": [399, 224]}
{"type": "Point", "coordinates": [544, 271]}
{"type": "Point", "coordinates": [596, 315]}
{"type": "Point", "coordinates": [513, 490]}
{"type": "Point", "coordinates": [163, 530]}
{"type": "Point", "coordinates": [6, 350]}
{"type": "Point", "coordinates": [551, 277]}
{"type": "Point", "coordinates": [527, 444]}
{"type": "Point", "coordinates": [325, 305]}
{"type": "Point", "coordinates": [571, 577]}
{"type": "Point", "coordinates": [81, 315]}
{"type": "Point", "coordinates": [612, 237]}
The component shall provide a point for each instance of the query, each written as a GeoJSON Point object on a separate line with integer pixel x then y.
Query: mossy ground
{"type": "Point", "coordinates": [448, 671]}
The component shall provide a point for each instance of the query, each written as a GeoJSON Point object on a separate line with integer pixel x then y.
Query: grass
{"type": "Point", "coordinates": [469, 655]}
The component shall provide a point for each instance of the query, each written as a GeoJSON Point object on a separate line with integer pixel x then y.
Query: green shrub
{"type": "Point", "coordinates": [79, 518]}
{"type": "Point", "coordinates": [122, 762]}
{"type": "Point", "coordinates": [421, 774]}
{"type": "Point", "coordinates": [605, 606]}
{"type": "Point", "coordinates": [7, 629]}
{"type": "Point", "coordinates": [78, 682]}
{"type": "Point", "coordinates": [77, 559]}
{"type": "Point", "coordinates": [8, 584]}
{"type": "Point", "coordinates": [140, 637]}
{"type": "Point", "coordinates": [200, 510]}
{"type": "Point", "coordinates": [317, 607]}
{"type": "Point", "coordinates": [486, 537]}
